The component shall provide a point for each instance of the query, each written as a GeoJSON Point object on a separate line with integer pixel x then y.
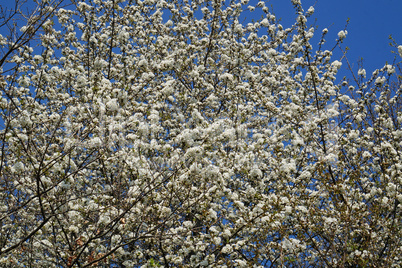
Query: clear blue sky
{"type": "Point", "coordinates": [371, 23]}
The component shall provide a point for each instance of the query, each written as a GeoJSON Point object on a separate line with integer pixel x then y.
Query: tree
{"type": "Point", "coordinates": [167, 133]}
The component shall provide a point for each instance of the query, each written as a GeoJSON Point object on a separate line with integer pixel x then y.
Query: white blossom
{"type": "Point", "coordinates": [310, 10]}
{"type": "Point", "coordinates": [362, 72]}
{"type": "Point", "coordinates": [342, 34]}
{"type": "Point", "coordinates": [19, 167]}
{"type": "Point", "coordinates": [226, 249]}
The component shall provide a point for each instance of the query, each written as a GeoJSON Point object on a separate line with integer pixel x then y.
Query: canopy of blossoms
{"type": "Point", "coordinates": [178, 134]}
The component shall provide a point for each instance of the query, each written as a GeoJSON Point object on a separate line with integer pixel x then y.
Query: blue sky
{"type": "Point", "coordinates": [371, 23]}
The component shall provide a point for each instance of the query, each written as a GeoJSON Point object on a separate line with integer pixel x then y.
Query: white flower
{"type": "Point", "coordinates": [390, 69]}
{"type": "Point", "coordinates": [342, 34]}
{"type": "Point", "coordinates": [213, 214]}
{"type": "Point", "coordinates": [73, 229]}
{"type": "Point", "coordinates": [226, 249]}
{"type": "Point", "coordinates": [337, 64]}
{"type": "Point", "coordinates": [112, 105]}
{"type": "Point", "coordinates": [264, 22]}
{"type": "Point", "coordinates": [256, 172]}
{"type": "Point", "coordinates": [240, 263]}
{"type": "Point", "coordinates": [204, 263]}
{"type": "Point", "coordinates": [288, 209]}
{"type": "Point", "coordinates": [142, 63]}
{"type": "Point", "coordinates": [96, 142]}
{"type": "Point", "coordinates": [391, 187]}
{"type": "Point", "coordinates": [286, 244]}
{"type": "Point", "coordinates": [188, 224]}
{"type": "Point", "coordinates": [400, 50]}
{"type": "Point", "coordinates": [25, 120]}
{"type": "Point", "coordinates": [329, 220]}
{"type": "Point", "coordinates": [362, 72]}
{"type": "Point", "coordinates": [19, 167]}
{"type": "Point", "coordinates": [213, 229]}
{"type": "Point", "coordinates": [46, 243]}
{"type": "Point", "coordinates": [217, 240]}
{"type": "Point", "coordinates": [380, 80]}
{"type": "Point", "coordinates": [310, 11]}
{"type": "Point", "coordinates": [265, 219]}
{"type": "Point", "coordinates": [23, 29]}
{"type": "Point", "coordinates": [128, 264]}
{"type": "Point", "coordinates": [227, 77]}
{"type": "Point", "coordinates": [226, 233]}
{"type": "Point", "coordinates": [115, 238]}
{"type": "Point", "coordinates": [166, 65]}
{"type": "Point", "coordinates": [302, 209]}
{"type": "Point", "coordinates": [204, 10]}
{"type": "Point", "coordinates": [103, 219]}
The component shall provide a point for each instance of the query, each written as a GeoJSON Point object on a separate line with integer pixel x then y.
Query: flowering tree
{"type": "Point", "coordinates": [167, 133]}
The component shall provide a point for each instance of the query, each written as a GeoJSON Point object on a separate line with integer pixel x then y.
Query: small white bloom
{"type": "Point", "coordinates": [213, 229]}
{"type": "Point", "coordinates": [286, 244]}
{"type": "Point", "coordinates": [329, 220]}
{"type": "Point", "coordinates": [302, 209]}
{"type": "Point", "coordinates": [188, 224]}
{"type": "Point", "coordinates": [226, 233]}
{"type": "Point", "coordinates": [128, 263]}
{"type": "Point", "coordinates": [362, 72]}
{"type": "Point", "coordinates": [112, 105]}
{"type": "Point", "coordinates": [380, 80]}
{"type": "Point", "coordinates": [103, 219]}
{"type": "Point", "coordinates": [227, 249]}
{"type": "Point", "coordinates": [115, 238]}
{"type": "Point", "coordinates": [310, 11]}
{"type": "Point", "coordinates": [73, 228]}
{"type": "Point", "coordinates": [288, 209]}
{"type": "Point", "coordinates": [142, 63]}
{"type": "Point", "coordinates": [213, 214]}
{"type": "Point", "coordinates": [342, 34]}
{"type": "Point", "coordinates": [390, 69]}
{"type": "Point", "coordinates": [400, 51]}
{"type": "Point", "coordinates": [391, 187]}
{"type": "Point", "coordinates": [205, 10]}
{"type": "Point", "coordinates": [264, 22]}
{"type": "Point", "coordinates": [19, 167]}
{"type": "Point", "coordinates": [217, 240]}
{"type": "Point", "coordinates": [366, 154]}
{"type": "Point", "coordinates": [95, 142]}
{"type": "Point", "coordinates": [240, 263]}
{"type": "Point", "coordinates": [46, 243]}
{"type": "Point", "coordinates": [337, 64]}
{"type": "Point", "coordinates": [265, 219]}
{"type": "Point", "coordinates": [256, 173]}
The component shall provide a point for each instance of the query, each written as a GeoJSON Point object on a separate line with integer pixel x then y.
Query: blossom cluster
{"type": "Point", "coordinates": [172, 133]}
